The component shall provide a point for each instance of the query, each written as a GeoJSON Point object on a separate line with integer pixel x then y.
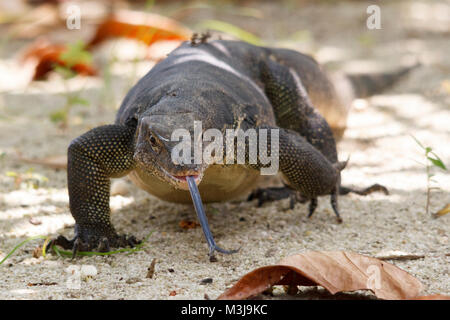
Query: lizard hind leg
{"type": "Point", "coordinates": [270, 194]}
{"type": "Point", "coordinates": [312, 207]}
{"type": "Point", "coordinates": [334, 205]}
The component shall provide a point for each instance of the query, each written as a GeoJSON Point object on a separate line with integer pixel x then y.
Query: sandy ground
{"type": "Point", "coordinates": [378, 140]}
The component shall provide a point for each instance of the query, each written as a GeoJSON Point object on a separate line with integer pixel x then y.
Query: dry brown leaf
{"type": "Point", "coordinates": [433, 297]}
{"type": "Point", "coordinates": [54, 162]}
{"type": "Point", "coordinates": [187, 224]}
{"type": "Point", "coordinates": [336, 271]}
{"type": "Point", "coordinates": [398, 255]}
{"type": "Point", "coordinates": [145, 27]}
{"type": "Point", "coordinates": [42, 56]}
{"type": "Point", "coordinates": [443, 211]}
{"type": "Point", "coordinates": [34, 22]}
{"type": "Point", "coordinates": [172, 293]}
{"type": "Point", "coordinates": [151, 269]}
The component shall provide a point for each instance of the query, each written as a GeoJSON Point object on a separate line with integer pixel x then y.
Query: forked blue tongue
{"type": "Point", "coordinates": [198, 205]}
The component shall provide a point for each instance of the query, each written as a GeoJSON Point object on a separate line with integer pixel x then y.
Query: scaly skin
{"type": "Point", "coordinates": [226, 85]}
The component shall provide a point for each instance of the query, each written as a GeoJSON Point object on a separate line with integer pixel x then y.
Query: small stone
{"type": "Point", "coordinates": [206, 281]}
{"type": "Point", "coordinates": [151, 269]}
{"type": "Point", "coordinates": [270, 253]}
{"type": "Point", "coordinates": [133, 280]}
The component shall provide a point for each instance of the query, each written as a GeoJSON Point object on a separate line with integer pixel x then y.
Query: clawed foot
{"type": "Point", "coordinates": [275, 194]}
{"type": "Point", "coordinates": [92, 240]}
{"type": "Point", "coordinates": [278, 193]}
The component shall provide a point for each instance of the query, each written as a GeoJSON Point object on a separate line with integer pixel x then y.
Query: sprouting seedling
{"type": "Point", "coordinates": [432, 160]}
{"type": "Point", "coordinates": [29, 178]}
{"type": "Point", "coordinates": [75, 54]}
{"type": "Point", "coordinates": [232, 30]}
{"type": "Point", "coordinates": [24, 243]}
{"type": "Point", "coordinates": [63, 253]}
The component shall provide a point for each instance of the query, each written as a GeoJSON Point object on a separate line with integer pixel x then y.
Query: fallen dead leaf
{"type": "Point", "coordinates": [187, 224]}
{"type": "Point", "coordinates": [398, 255]}
{"type": "Point", "coordinates": [37, 252]}
{"type": "Point", "coordinates": [336, 271]}
{"type": "Point", "coordinates": [433, 297]}
{"type": "Point", "coordinates": [151, 269]}
{"type": "Point", "coordinates": [42, 57]}
{"type": "Point", "coordinates": [34, 284]}
{"type": "Point", "coordinates": [443, 211]}
{"type": "Point", "coordinates": [34, 221]}
{"type": "Point", "coordinates": [53, 162]}
{"type": "Point", "coordinates": [145, 27]}
{"type": "Point", "coordinates": [172, 293]}
{"type": "Point", "coordinates": [34, 22]}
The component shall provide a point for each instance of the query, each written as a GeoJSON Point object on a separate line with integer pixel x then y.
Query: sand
{"type": "Point", "coordinates": [378, 141]}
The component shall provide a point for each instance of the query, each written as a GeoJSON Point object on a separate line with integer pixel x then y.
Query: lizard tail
{"type": "Point", "coordinates": [365, 85]}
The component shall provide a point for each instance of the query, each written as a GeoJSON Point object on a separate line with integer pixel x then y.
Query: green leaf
{"type": "Point", "coordinates": [76, 54]}
{"type": "Point", "coordinates": [418, 142]}
{"type": "Point", "coordinates": [77, 100]}
{"type": "Point", "coordinates": [20, 245]}
{"type": "Point", "coordinates": [437, 163]}
{"type": "Point", "coordinates": [58, 116]}
{"type": "Point", "coordinates": [232, 30]}
{"type": "Point", "coordinates": [65, 72]}
{"type": "Point", "coordinates": [366, 40]}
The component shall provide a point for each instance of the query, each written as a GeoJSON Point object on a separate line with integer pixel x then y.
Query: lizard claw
{"type": "Point", "coordinates": [271, 194]}
{"type": "Point", "coordinates": [88, 240]}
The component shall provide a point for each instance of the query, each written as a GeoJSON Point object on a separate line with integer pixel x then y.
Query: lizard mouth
{"type": "Point", "coordinates": [180, 180]}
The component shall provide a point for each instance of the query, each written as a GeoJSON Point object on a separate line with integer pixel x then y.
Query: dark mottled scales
{"type": "Point", "coordinates": [224, 84]}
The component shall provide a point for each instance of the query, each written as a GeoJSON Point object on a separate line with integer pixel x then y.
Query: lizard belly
{"type": "Point", "coordinates": [219, 183]}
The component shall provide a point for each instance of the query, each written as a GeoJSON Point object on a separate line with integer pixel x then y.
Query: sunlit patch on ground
{"type": "Point", "coordinates": [378, 141]}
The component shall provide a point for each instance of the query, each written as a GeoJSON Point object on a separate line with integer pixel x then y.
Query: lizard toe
{"type": "Point", "coordinates": [271, 194]}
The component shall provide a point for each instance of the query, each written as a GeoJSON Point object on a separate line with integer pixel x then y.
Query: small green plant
{"type": "Point", "coordinates": [431, 160]}
{"type": "Point", "coordinates": [47, 239]}
{"type": "Point", "coordinates": [28, 179]}
{"type": "Point", "coordinates": [233, 30]}
{"type": "Point", "coordinates": [75, 54]}
{"type": "Point", "coordinates": [62, 253]}
{"type": "Point", "coordinates": [366, 40]}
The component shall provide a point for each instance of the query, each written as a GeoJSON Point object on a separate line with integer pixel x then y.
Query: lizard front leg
{"type": "Point", "coordinates": [306, 170]}
{"type": "Point", "coordinates": [93, 158]}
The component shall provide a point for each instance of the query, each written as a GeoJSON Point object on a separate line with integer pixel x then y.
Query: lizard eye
{"type": "Point", "coordinates": [154, 143]}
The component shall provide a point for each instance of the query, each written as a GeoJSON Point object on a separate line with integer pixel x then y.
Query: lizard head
{"type": "Point", "coordinates": [154, 150]}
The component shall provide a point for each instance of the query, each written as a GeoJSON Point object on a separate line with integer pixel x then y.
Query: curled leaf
{"type": "Point", "coordinates": [336, 271]}
{"type": "Point", "coordinates": [444, 210]}
{"type": "Point", "coordinates": [187, 224]}
{"type": "Point", "coordinates": [437, 162]}
{"type": "Point", "coordinates": [433, 297]}
{"type": "Point", "coordinates": [145, 27]}
{"type": "Point", "coordinates": [43, 56]}
{"type": "Point", "coordinates": [53, 162]}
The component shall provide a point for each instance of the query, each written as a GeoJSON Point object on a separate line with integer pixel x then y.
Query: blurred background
{"type": "Point", "coordinates": [65, 67]}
